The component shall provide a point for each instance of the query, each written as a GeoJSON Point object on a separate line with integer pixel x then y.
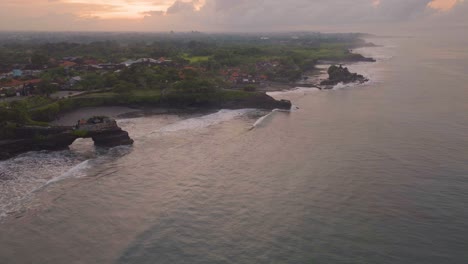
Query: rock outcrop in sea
{"type": "Point", "coordinates": [104, 131]}
{"type": "Point", "coordinates": [340, 74]}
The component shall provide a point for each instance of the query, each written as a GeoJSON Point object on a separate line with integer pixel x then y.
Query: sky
{"type": "Point", "coordinates": [232, 15]}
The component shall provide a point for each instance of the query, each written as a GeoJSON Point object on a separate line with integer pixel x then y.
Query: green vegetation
{"type": "Point", "coordinates": [249, 88]}
{"type": "Point", "coordinates": [80, 133]}
{"type": "Point", "coordinates": [171, 98]}
{"type": "Point", "coordinates": [200, 70]}
{"type": "Point", "coordinates": [40, 138]}
{"type": "Point", "coordinates": [195, 59]}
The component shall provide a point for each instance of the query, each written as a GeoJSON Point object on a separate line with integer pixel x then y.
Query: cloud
{"type": "Point", "coordinates": [221, 15]}
{"type": "Point", "coordinates": [153, 13]}
{"type": "Point", "coordinates": [181, 6]}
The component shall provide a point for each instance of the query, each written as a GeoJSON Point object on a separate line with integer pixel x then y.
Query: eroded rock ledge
{"type": "Point", "coordinates": [104, 131]}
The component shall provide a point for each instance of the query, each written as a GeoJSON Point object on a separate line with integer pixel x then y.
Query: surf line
{"type": "Point", "coordinates": [265, 117]}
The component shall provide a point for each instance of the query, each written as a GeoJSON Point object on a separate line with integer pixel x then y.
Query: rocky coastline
{"type": "Point", "coordinates": [104, 131]}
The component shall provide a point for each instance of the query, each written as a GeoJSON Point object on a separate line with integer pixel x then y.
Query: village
{"type": "Point", "coordinates": [249, 63]}
{"type": "Point", "coordinates": [67, 77]}
{"type": "Point", "coordinates": [26, 80]}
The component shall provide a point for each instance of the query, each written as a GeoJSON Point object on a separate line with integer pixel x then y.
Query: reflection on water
{"type": "Point", "coordinates": [369, 174]}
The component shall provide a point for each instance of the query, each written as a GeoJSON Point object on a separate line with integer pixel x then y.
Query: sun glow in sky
{"type": "Point", "coordinates": [129, 9]}
{"type": "Point", "coordinates": [443, 5]}
{"type": "Point", "coordinates": [135, 9]}
{"type": "Point", "coordinates": [109, 9]}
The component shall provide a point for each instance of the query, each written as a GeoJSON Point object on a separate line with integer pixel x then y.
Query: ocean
{"type": "Point", "coordinates": [372, 173]}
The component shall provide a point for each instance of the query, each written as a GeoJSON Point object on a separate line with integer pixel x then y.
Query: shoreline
{"type": "Point", "coordinates": [312, 79]}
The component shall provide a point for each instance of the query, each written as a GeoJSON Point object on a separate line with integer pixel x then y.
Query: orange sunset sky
{"type": "Point", "coordinates": [158, 15]}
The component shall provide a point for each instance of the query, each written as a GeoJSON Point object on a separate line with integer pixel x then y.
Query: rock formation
{"type": "Point", "coordinates": [340, 74]}
{"type": "Point", "coordinates": [104, 131]}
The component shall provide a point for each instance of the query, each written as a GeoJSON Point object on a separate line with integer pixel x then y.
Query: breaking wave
{"type": "Point", "coordinates": [204, 121]}
{"type": "Point", "coordinates": [266, 118]}
{"type": "Point", "coordinates": [75, 172]}
{"type": "Point", "coordinates": [21, 176]}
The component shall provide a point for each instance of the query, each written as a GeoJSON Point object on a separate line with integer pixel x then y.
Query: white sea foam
{"type": "Point", "coordinates": [23, 175]}
{"type": "Point", "coordinates": [204, 121]}
{"type": "Point", "coordinates": [75, 172]}
{"type": "Point", "coordinates": [297, 90]}
{"type": "Point", "coordinates": [261, 121]}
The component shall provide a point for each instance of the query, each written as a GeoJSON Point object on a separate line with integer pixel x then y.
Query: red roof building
{"type": "Point", "coordinates": [18, 83]}
{"type": "Point", "coordinates": [67, 64]}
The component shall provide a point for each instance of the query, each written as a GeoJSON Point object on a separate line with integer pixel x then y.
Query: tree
{"type": "Point", "coordinates": [124, 87]}
{"type": "Point", "coordinates": [189, 74]}
{"type": "Point", "coordinates": [250, 88]}
{"type": "Point", "coordinates": [46, 88]}
{"type": "Point", "coordinates": [110, 80]}
{"type": "Point", "coordinates": [92, 81]}
{"type": "Point", "coordinates": [39, 59]}
{"type": "Point", "coordinates": [195, 86]}
{"type": "Point", "coordinates": [17, 113]}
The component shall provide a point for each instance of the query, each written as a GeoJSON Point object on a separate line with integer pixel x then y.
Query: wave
{"type": "Point", "coordinates": [75, 172]}
{"type": "Point", "coordinates": [104, 155]}
{"type": "Point", "coordinates": [23, 176]}
{"type": "Point", "coordinates": [296, 90]}
{"type": "Point", "coordinates": [261, 120]}
{"type": "Point", "coordinates": [268, 117]}
{"type": "Point", "coordinates": [204, 121]}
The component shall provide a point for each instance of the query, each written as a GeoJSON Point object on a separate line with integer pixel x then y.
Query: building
{"type": "Point", "coordinates": [34, 73]}
{"type": "Point", "coordinates": [19, 88]}
{"type": "Point", "coordinates": [67, 64]}
{"type": "Point", "coordinates": [146, 61]}
{"type": "Point", "coordinates": [17, 73]}
{"type": "Point", "coordinates": [74, 80]}
{"type": "Point", "coordinates": [5, 75]}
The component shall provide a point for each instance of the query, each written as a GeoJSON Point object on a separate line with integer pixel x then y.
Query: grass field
{"type": "Point", "coordinates": [195, 59]}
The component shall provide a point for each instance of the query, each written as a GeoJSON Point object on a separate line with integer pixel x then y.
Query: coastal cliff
{"type": "Point", "coordinates": [104, 131]}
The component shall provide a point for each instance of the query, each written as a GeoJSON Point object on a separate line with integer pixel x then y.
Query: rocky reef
{"type": "Point", "coordinates": [104, 131]}
{"type": "Point", "coordinates": [340, 74]}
